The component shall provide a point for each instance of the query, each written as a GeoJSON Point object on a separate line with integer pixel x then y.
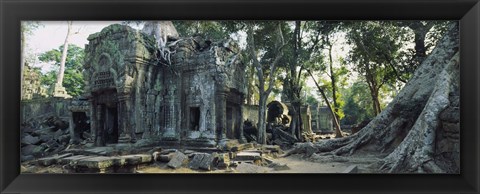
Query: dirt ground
{"type": "Point", "coordinates": [295, 164]}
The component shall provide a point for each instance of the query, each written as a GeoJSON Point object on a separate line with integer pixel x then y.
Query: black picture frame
{"type": "Point", "coordinates": [13, 11]}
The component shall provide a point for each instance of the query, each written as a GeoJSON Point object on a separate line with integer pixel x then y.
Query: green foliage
{"type": "Point", "coordinates": [213, 30]}
{"type": "Point", "coordinates": [357, 104]}
{"type": "Point", "coordinates": [73, 79]}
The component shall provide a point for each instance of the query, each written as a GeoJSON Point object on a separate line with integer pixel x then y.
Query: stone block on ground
{"type": "Point", "coordinates": [248, 156]}
{"type": "Point", "coordinates": [52, 159]}
{"type": "Point", "coordinates": [222, 160]}
{"type": "Point", "coordinates": [157, 156]}
{"type": "Point", "coordinates": [272, 148]}
{"type": "Point", "coordinates": [228, 145]}
{"type": "Point", "coordinates": [57, 134]}
{"type": "Point", "coordinates": [178, 160]}
{"type": "Point", "coordinates": [245, 146]}
{"type": "Point", "coordinates": [30, 140]}
{"type": "Point", "coordinates": [250, 168]}
{"type": "Point", "coordinates": [98, 162]}
{"type": "Point", "coordinates": [72, 159]}
{"type": "Point", "coordinates": [201, 161]}
{"type": "Point", "coordinates": [26, 158]}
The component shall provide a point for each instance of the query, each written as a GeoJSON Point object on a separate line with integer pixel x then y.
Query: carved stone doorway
{"type": "Point", "coordinates": [109, 116]}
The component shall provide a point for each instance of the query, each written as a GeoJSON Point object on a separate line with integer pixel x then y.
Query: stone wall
{"type": "Point", "coordinates": [250, 112]}
{"type": "Point", "coordinates": [45, 107]}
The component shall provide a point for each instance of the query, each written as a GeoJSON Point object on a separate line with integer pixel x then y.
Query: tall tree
{"type": "Point", "coordinates": [73, 77]}
{"type": "Point", "coordinates": [425, 36]}
{"type": "Point", "coordinates": [412, 129]}
{"type": "Point", "coordinates": [272, 57]}
{"type": "Point", "coordinates": [64, 54]}
{"type": "Point", "coordinates": [336, 75]}
{"type": "Point", "coordinates": [375, 45]}
{"type": "Point", "coordinates": [303, 43]}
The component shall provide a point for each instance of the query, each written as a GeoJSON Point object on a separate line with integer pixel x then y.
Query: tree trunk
{"type": "Point", "coordinates": [61, 71]}
{"type": "Point", "coordinates": [338, 130]}
{"type": "Point", "coordinates": [22, 57]}
{"type": "Point", "coordinates": [264, 93]}
{"type": "Point", "coordinates": [375, 101]}
{"type": "Point", "coordinates": [332, 78]}
{"type": "Point", "coordinates": [419, 129]}
{"type": "Point", "coordinates": [261, 133]}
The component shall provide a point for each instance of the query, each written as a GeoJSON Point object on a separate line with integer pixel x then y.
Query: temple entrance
{"type": "Point", "coordinates": [108, 111]}
{"type": "Point", "coordinates": [111, 125]}
{"type": "Point", "coordinates": [230, 123]}
{"type": "Point", "coordinates": [194, 118]}
{"type": "Point", "coordinates": [81, 124]}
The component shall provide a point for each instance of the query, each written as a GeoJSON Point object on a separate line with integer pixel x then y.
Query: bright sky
{"type": "Point", "coordinates": [51, 34]}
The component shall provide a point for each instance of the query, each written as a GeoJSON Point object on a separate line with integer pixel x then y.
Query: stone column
{"type": "Point", "coordinates": [242, 138]}
{"type": "Point", "coordinates": [93, 120]}
{"type": "Point", "coordinates": [100, 125]}
{"type": "Point", "coordinates": [170, 116]}
{"type": "Point", "coordinates": [221, 112]}
{"type": "Point", "coordinates": [73, 139]}
{"type": "Point", "coordinates": [127, 135]}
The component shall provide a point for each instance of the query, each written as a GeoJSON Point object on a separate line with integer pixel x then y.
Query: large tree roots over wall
{"type": "Point", "coordinates": [419, 130]}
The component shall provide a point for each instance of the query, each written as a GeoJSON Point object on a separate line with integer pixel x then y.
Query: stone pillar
{"type": "Point", "coordinates": [93, 120]}
{"type": "Point", "coordinates": [242, 138]}
{"type": "Point", "coordinates": [71, 126]}
{"type": "Point", "coordinates": [100, 125]}
{"type": "Point", "coordinates": [221, 112]}
{"type": "Point", "coordinates": [127, 135]}
{"type": "Point", "coordinates": [170, 116]}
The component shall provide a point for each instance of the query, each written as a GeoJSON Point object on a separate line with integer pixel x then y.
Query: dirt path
{"type": "Point", "coordinates": [295, 163]}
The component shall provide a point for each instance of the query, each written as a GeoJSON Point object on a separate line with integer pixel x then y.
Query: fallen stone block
{"type": "Point", "coordinates": [248, 156]}
{"type": "Point", "coordinates": [157, 156]}
{"type": "Point", "coordinates": [178, 160]}
{"type": "Point", "coordinates": [72, 159]}
{"type": "Point", "coordinates": [222, 161]}
{"type": "Point", "coordinates": [229, 145]}
{"type": "Point", "coordinates": [272, 148]}
{"type": "Point", "coordinates": [243, 147]}
{"type": "Point", "coordinates": [30, 140]}
{"type": "Point", "coordinates": [52, 159]}
{"type": "Point", "coordinates": [133, 160]}
{"type": "Point", "coordinates": [99, 162]}
{"type": "Point", "coordinates": [201, 161]}
{"type": "Point", "coordinates": [250, 168]}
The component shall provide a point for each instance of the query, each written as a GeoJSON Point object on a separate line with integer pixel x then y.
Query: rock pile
{"type": "Point", "coordinates": [235, 156]}
{"type": "Point", "coordinates": [39, 139]}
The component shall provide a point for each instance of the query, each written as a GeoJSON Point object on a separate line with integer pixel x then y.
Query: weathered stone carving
{"type": "Point", "coordinates": [196, 99]}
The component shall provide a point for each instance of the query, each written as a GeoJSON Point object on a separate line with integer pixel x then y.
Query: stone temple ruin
{"type": "Point", "coordinates": [187, 108]}
{"type": "Point", "coordinates": [197, 99]}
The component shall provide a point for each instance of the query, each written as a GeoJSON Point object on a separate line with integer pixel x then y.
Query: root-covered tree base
{"type": "Point", "coordinates": [419, 130]}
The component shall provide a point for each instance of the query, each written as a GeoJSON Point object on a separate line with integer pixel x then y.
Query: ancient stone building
{"type": "Point", "coordinates": [322, 120]}
{"type": "Point", "coordinates": [31, 86]}
{"type": "Point", "coordinates": [197, 99]}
